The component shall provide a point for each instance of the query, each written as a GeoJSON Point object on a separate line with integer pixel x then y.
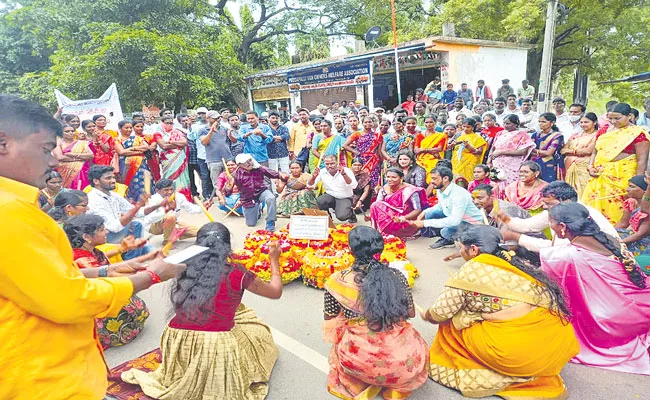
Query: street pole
{"type": "Point", "coordinates": [399, 85]}
{"type": "Point", "coordinates": [544, 89]}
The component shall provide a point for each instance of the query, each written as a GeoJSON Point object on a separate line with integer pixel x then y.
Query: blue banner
{"type": "Point", "coordinates": [348, 74]}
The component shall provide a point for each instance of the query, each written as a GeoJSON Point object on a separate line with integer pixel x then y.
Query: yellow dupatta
{"type": "Point", "coordinates": [429, 161]}
{"type": "Point", "coordinates": [606, 192]}
{"type": "Point", "coordinates": [462, 160]}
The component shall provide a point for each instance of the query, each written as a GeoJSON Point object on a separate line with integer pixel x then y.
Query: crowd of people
{"type": "Point", "coordinates": [550, 213]}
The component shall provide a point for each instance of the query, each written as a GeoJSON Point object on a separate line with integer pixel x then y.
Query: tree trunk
{"type": "Point", "coordinates": [240, 97]}
{"type": "Point", "coordinates": [534, 68]}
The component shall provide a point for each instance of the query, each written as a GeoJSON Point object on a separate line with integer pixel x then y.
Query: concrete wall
{"type": "Point", "coordinates": [488, 63]}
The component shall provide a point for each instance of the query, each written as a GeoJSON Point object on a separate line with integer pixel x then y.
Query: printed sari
{"type": "Point", "coordinates": [331, 146]}
{"type": "Point", "coordinates": [426, 160]}
{"type": "Point", "coordinates": [75, 173]}
{"type": "Point", "coordinates": [637, 217]}
{"type": "Point", "coordinates": [398, 204]}
{"type": "Point", "coordinates": [611, 315]}
{"type": "Point", "coordinates": [132, 168]}
{"type": "Point", "coordinates": [514, 358]}
{"type": "Point", "coordinates": [551, 167]}
{"type": "Point", "coordinates": [130, 320]}
{"type": "Point", "coordinates": [363, 362]}
{"type": "Point", "coordinates": [396, 142]}
{"type": "Point", "coordinates": [463, 162]}
{"type": "Point", "coordinates": [153, 161]}
{"type": "Point", "coordinates": [173, 163]}
{"type": "Point", "coordinates": [296, 196]}
{"type": "Point", "coordinates": [104, 157]}
{"type": "Point", "coordinates": [368, 145]}
{"type": "Point", "coordinates": [606, 192]}
{"type": "Point", "coordinates": [576, 166]}
{"type": "Point", "coordinates": [530, 201]}
{"type": "Point", "coordinates": [511, 141]}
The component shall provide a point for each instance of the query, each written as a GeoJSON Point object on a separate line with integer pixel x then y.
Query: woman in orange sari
{"type": "Point", "coordinates": [133, 167]}
{"type": "Point", "coordinates": [368, 148]}
{"type": "Point", "coordinates": [503, 327]}
{"type": "Point", "coordinates": [374, 347]}
{"type": "Point", "coordinates": [74, 159]}
{"type": "Point", "coordinates": [620, 154]}
{"type": "Point", "coordinates": [430, 146]}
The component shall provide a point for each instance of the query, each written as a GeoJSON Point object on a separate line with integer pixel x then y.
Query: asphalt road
{"type": "Point", "coordinates": [301, 370]}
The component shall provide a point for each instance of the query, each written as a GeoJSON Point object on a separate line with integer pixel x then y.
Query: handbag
{"type": "Point", "coordinates": [303, 156]}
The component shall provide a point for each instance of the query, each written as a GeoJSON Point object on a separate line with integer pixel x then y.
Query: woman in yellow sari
{"type": "Point", "coordinates": [503, 326]}
{"type": "Point", "coordinates": [577, 152]}
{"type": "Point", "coordinates": [620, 154]}
{"type": "Point", "coordinates": [469, 149]}
{"type": "Point", "coordinates": [374, 346]}
{"type": "Point", "coordinates": [430, 146]}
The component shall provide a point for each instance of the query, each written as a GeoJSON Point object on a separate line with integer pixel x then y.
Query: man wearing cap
{"type": "Point", "coordinates": [482, 91]}
{"type": "Point", "coordinates": [204, 172]}
{"type": "Point", "coordinates": [254, 192]}
{"type": "Point", "coordinates": [505, 90]}
{"type": "Point", "coordinates": [217, 148]}
{"type": "Point", "coordinates": [298, 137]}
{"type": "Point", "coordinates": [255, 137]}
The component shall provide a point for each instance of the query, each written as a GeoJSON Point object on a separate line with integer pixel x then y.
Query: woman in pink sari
{"type": "Point", "coordinates": [510, 148]}
{"type": "Point", "coordinates": [608, 294]}
{"type": "Point", "coordinates": [527, 191]}
{"type": "Point", "coordinates": [173, 155]}
{"type": "Point", "coordinates": [397, 202]}
{"type": "Point", "coordinates": [74, 159]}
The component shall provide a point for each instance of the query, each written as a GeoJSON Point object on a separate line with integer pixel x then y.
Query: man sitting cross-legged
{"type": "Point", "coordinates": [165, 218]}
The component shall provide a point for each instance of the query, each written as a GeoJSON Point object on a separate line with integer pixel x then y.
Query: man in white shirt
{"type": "Point", "coordinates": [455, 205]}
{"type": "Point", "coordinates": [511, 105]}
{"type": "Point", "coordinates": [576, 112]}
{"type": "Point", "coordinates": [527, 117]}
{"type": "Point", "coordinates": [165, 218]}
{"type": "Point", "coordinates": [204, 172]}
{"type": "Point", "coordinates": [459, 108]}
{"type": "Point", "coordinates": [554, 193]}
{"type": "Point", "coordinates": [339, 183]}
{"type": "Point", "coordinates": [295, 118]}
{"type": "Point", "coordinates": [500, 110]}
{"type": "Point", "coordinates": [563, 123]}
{"type": "Point", "coordinates": [118, 214]}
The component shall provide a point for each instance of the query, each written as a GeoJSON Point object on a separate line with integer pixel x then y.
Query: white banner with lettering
{"type": "Point", "coordinates": [108, 105]}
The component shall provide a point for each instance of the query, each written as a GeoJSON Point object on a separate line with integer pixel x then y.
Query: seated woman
{"type": "Point", "coordinates": [634, 226]}
{"type": "Point", "coordinates": [413, 173]}
{"type": "Point", "coordinates": [482, 177]}
{"type": "Point", "coordinates": [608, 294]}
{"type": "Point", "coordinates": [214, 347]}
{"type": "Point", "coordinates": [502, 325]}
{"type": "Point", "coordinates": [527, 191]}
{"type": "Point", "coordinates": [361, 321]}
{"type": "Point", "coordinates": [397, 202]}
{"type": "Point", "coordinates": [294, 195]}
{"type": "Point", "coordinates": [361, 195]}
{"type": "Point", "coordinates": [85, 232]}
{"type": "Point", "coordinates": [227, 193]}
{"type": "Point", "coordinates": [53, 187]}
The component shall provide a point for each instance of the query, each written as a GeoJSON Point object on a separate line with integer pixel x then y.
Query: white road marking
{"type": "Point", "coordinates": [301, 351]}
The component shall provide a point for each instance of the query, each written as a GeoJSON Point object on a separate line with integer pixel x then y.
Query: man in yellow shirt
{"type": "Point", "coordinates": [298, 137]}
{"type": "Point", "coordinates": [48, 345]}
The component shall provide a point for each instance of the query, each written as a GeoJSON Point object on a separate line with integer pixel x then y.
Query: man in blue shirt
{"type": "Point", "coordinates": [204, 172]}
{"type": "Point", "coordinates": [467, 95]}
{"type": "Point", "coordinates": [455, 205]}
{"type": "Point", "coordinates": [255, 137]}
{"type": "Point", "coordinates": [449, 95]}
{"type": "Point", "coordinates": [278, 150]}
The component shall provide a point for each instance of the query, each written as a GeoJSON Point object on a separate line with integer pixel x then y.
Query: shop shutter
{"type": "Point", "coordinates": [310, 99]}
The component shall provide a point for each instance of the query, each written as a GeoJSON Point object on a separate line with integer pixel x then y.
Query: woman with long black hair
{"type": "Point", "coordinates": [214, 347]}
{"type": "Point", "coordinates": [608, 293]}
{"type": "Point", "coordinates": [548, 143]}
{"type": "Point", "coordinates": [367, 308]}
{"type": "Point", "coordinates": [503, 326]}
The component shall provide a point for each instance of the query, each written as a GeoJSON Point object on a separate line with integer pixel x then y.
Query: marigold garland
{"type": "Point", "coordinates": [314, 260]}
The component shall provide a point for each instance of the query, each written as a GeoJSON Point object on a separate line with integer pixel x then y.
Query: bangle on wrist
{"type": "Point", "coordinates": [102, 272]}
{"type": "Point", "coordinates": [154, 276]}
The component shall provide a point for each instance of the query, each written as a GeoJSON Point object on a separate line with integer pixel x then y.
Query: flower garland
{"type": "Point", "coordinates": [315, 260]}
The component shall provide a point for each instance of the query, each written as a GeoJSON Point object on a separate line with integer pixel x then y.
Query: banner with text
{"type": "Point", "coordinates": [107, 105]}
{"type": "Point", "coordinates": [348, 74]}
